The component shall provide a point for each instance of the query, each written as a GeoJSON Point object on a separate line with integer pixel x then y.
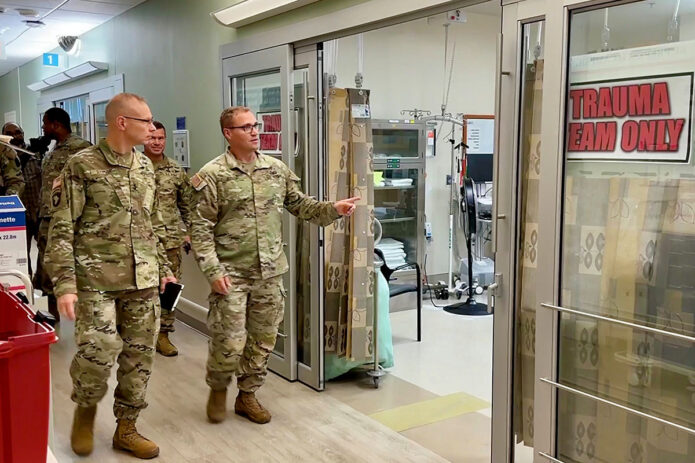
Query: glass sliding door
{"type": "Point", "coordinates": [516, 222]}
{"type": "Point", "coordinates": [624, 377]}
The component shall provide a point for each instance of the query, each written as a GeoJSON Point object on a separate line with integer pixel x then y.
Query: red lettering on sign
{"type": "Point", "coordinates": [604, 102]}
{"type": "Point", "coordinates": [630, 136]}
{"type": "Point", "coordinates": [620, 101]}
{"type": "Point", "coordinates": [661, 136]}
{"type": "Point", "coordinates": [640, 99]}
{"type": "Point", "coordinates": [606, 134]}
{"type": "Point", "coordinates": [576, 97]}
{"type": "Point", "coordinates": [589, 136]}
{"type": "Point", "coordinates": [575, 132]}
{"type": "Point", "coordinates": [661, 103]}
{"type": "Point", "coordinates": [675, 129]}
{"type": "Point", "coordinates": [587, 141]}
{"type": "Point", "coordinates": [590, 97]}
{"type": "Point", "coordinates": [647, 136]}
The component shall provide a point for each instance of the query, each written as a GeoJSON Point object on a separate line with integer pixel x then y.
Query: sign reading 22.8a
{"type": "Point", "coordinates": [637, 119]}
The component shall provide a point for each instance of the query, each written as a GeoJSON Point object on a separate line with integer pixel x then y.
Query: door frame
{"type": "Point", "coordinates": [509, 87]}
{"type": "Point", "coordinates": [98, 91]}
{"type": "Point", "coordinates": [311, 58]}
{"type": "Point", "coordinates": [550, 226]}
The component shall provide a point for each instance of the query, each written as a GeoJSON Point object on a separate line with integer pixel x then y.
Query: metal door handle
{"type": "Point", "coordinates": [492, 290]}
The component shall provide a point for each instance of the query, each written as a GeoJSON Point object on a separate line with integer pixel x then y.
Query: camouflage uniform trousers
{"type": "Point", "coordinates": [168, 316]}
{"type": "Point", "coordinates": [243, 327]}
{"type": "Point", "coordinates": [33, 224]}
{"type": "Point", "coordinates": [110, 326]}
{"type": "Point", "coordinates": [41, 279]}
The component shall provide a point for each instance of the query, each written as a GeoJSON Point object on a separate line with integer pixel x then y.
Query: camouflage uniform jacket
{"type": "Point", "coordinates": [10, 172]}
{"type": "Point", "coordinates": [105, 229]}
{"type": "Point", "coordinates": [53, 163]}
{"type": "Point", "coordinates": [174, 194]}
{"type": "Point", "coordinates": [237, 228]}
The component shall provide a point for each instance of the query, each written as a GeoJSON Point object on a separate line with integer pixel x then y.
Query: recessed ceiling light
{"type": "Point", "coordinates": [27, 12]}
{"type": "Point", "coordinates": [34, 23]}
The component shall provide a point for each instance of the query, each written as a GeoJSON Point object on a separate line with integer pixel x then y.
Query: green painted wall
{"type": "Point", "coordinates": [168, 51]}
{"type": "Point", "coordinates": [9, 95]}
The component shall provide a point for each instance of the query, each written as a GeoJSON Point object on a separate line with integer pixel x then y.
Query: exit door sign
{"type": "Point", "coordinates": [50, 59]}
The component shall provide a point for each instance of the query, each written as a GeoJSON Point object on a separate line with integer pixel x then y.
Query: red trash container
{"type": "Point", "coordinates": [24, 382]}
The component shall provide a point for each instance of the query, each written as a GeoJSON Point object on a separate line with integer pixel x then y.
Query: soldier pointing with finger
{"type": "Point", "coordinates": [237, 239]}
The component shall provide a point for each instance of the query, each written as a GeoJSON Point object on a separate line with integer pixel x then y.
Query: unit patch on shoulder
{"type": "Point", "coordinates": [56, 191]}
{"type": "Point", "coordinates": [198, 182]}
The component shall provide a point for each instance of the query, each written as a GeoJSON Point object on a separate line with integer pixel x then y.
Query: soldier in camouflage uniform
{"type": "Point", "coordinates": [56, 126]}
{"type": "Point", "coordinates": [237, 239]}
{"type": "Point", "coordinates": [174, 195]}
{"type": "Point", "coordinates": [11, 179]}
{"type": "Point", "coordinates": [104, 250]}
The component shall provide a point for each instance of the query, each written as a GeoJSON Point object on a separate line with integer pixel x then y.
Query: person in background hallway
{"type": "Point", "coordinates": [237, 239]}
{"type": "Point", "coordinates": [174, 196]}
{"type": "Point", "coordinates": [31, 171]}
{"type": "Point", "coordinates": [106, 261]}
{"type": "Point", "coordinates": [56, 126]}
{"type": "Point", "coordinates": [11, 179]}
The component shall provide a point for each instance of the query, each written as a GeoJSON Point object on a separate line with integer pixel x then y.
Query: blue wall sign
{"type": "Point", "coordinates": [50, 59]}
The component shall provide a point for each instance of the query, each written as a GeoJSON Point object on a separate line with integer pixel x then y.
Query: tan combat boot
{"type": "Point", "coordinates": [165, 347]}
{"type": "Point", "coordinates": [82, 437]}
{"type": "Point", "coordinates": [217, 406]}
{"type": "Point", "coordinates": [247, 405]}
{"type": "Point", "coordinates": [129, 439]}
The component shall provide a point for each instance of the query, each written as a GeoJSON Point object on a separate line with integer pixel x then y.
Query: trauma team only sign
{"type": "Point", "coordinates": [640, 119]}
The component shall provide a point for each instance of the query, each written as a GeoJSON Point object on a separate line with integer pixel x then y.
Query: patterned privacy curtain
{"type": "Point", "coordinates": [630, 257]}
{"type": "Point", "coordinates": [524, 373]}
{"type": "Point", "coordinates": [350, 241]}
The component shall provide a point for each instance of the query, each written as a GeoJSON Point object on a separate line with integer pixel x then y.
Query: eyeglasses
{"type": "Point", "coordinates": [248, 127]}
{"type": "Point", "coordinates": [146, 121]}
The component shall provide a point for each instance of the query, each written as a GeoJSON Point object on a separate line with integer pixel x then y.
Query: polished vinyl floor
{"type": "Point", "coordinates": [432, 406]}
{"type": "Point", "coordinates": [307, 426]}
{"type": "Point", "coordinates": [439, 389]}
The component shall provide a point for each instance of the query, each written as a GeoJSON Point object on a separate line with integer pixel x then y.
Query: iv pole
{"type": "Point", "coordinates": [452, 189]}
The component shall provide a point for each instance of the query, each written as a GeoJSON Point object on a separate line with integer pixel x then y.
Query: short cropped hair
{"type": "Point", "coordinates": [60, 116]}
{"type": "Point", "coordinates": [227, 116]}
{"type": "Point", "coordinates": [7, 124]}
{"type": "Point", "coordinates": [158, 125]}
{"type": "Point", "coordinates": [114, 106]}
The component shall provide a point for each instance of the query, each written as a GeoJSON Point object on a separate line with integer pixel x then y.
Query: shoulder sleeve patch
{"type": "Point", "coordinates": [57, 182]}
{"type": "Point", "coordinates": [198, 182]}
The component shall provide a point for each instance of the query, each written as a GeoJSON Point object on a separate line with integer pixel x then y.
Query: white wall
{"type": "Point", "coordinates": [404, 69]}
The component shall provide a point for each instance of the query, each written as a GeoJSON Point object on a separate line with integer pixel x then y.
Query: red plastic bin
{"type": "Point", "coordinates": [24, 382]}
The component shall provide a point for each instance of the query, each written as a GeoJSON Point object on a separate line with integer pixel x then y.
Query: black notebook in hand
{"type": "Point", "coordinates": [170, 297]}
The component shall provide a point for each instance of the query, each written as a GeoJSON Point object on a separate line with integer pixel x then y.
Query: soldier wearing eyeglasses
{"type": "Point", "coordinates": [106, 261]}
{"type": "Point", "coordinates": [237, 238]}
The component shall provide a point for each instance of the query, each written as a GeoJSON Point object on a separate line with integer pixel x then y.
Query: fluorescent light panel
{"type": "Point", "coordinates": [74, 73]}
{"type": "Point", "coordinates": [56, 79]}
{"type": "Point", "coordinates": [250, 11]}
{"type": "Point", "coordinates": [86, 68]}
